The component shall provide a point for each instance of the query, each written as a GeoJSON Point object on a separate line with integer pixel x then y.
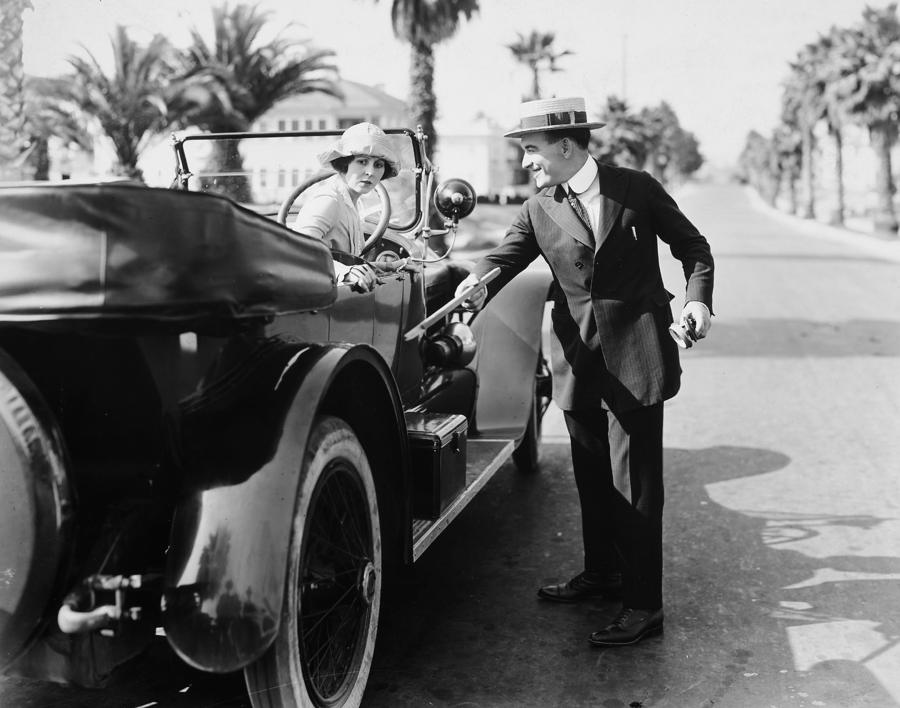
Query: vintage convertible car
{"type": "Point", "coordinates": [204, 437]}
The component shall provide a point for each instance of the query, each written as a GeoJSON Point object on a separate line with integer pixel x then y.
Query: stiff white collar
{"type": "Point", "coordinates": [582, 180]}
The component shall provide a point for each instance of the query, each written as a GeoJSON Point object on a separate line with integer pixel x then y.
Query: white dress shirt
{"type": "Point", "coordinates": [586, 185]}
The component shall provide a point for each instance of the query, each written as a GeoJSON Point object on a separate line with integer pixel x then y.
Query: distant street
{"type": "Point", "coordinates": [782, 530]}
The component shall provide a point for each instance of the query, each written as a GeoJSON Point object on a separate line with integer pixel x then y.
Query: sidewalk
{"type": "Point", "coordinates": [887, 248]}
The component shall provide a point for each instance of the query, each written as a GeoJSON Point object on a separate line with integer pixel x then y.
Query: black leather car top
{"type": "Point", "coordinates": [126, 251]}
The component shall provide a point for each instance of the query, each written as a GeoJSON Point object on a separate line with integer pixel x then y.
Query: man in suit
{"type": "Point", "coordinates": [613, 360]}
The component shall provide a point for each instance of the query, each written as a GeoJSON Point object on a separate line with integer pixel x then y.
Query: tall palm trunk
{"type": "Point", "coordinates": [39, 158]}
{"type": "Point", "coordinates": [127, 153]}
{"type": "Point", "coordinates": [837, 216]}
{"type": "Point", "coordinates": [792, 193]}
{"type": "Point", "coordinates": [12, 89]}
{"type": "Point", "coordinates": [226, 158]}
{"type": "Point", "coordinates": [883, 136]}
{"type": "Point", "coordinates": [535, 82]}
{"type": "Point", "coordinates": [421, 89]}
{"type": "Point", "coordinates": [809, 175]}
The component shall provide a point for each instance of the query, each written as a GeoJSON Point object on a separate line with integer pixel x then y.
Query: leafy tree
{"type": "Point", "coordinates": [867, 90]}
{"type": "Point", "coordinates": [626, 139]}
{"type": "Point", "coordinates": [229, 83]}
{"type": "Point", "coordinates": [686, 156]}
{"type": "Point", "coordinates": [423, 24]}
{"type": "Point", "coordinates": [757, 166]}
{"type": "Point", "coordinates": [13, 139]}
{"type": "Point", "coordinates": [788, 161]}
{"type": "Point", "coordinates": [673, 152]}
{"type": "Point", "coordinates": [129, 104]}
{"type": "Point", "coordinates": [536, 52]}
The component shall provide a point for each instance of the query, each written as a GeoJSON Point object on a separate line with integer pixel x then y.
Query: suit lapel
{"type": "Point", "coordinates": [558, 208]}
{"type": "Point", "coordinates": [612, 199]}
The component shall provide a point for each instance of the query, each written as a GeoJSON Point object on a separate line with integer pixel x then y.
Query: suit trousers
{"type": "Point", "coordinates": [617, 462]}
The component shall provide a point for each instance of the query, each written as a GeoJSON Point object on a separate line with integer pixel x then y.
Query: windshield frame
{"type": "Point", "coordinates": [183, 172]}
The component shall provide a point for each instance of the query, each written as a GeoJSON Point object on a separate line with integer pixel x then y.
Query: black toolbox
{"type": "Point", "coordinates": [437, 444]}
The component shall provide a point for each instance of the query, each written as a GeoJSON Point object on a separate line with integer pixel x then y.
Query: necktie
{"type": "Point", "coordinates": [580, 210]}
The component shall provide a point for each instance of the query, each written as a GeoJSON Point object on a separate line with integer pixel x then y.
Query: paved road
{"type": "Point", "coordinates": [782, 519]}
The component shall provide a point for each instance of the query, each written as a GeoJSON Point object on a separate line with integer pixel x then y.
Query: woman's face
{"type": "Point", "coordinates": [364, 173]}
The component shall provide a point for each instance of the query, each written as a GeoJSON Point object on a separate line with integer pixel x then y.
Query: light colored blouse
{"type": "Point", "coordinates": [331, 215]}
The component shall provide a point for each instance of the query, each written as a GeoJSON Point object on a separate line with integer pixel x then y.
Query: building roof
{"type": "Point", "coordinates": [357, 98]}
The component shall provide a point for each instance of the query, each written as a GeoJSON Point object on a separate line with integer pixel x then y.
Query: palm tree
{"type": "Point", "coordinates": [536, 52]}
{"type": "Point", "coordinates": [803, 106]}
{"type": "Point", "coordinates": [829, 72]}
{"type": "Point", "coordinates": [230, 83]}
{"type": "Point", "coordinates": [422, 24]}
{"type": "Point", "coordinates": [786, 144]}
{"type": "Point", "coordinates": [868, 92]}
{"type": "Point", "coordinates": [12, 87]}
{"type": "Point", "coordinates": [50, 118]}
{"type": "Point", "coordinates": [245, 78]}
{"type": "Point", "coordinates": [129, 104]}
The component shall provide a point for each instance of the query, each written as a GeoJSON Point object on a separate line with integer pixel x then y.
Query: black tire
{"type": "Point", "coordinates": [526, 456]}
{"type": "Point", "coordinates": [323, 652]}
{"type": "Point", "coordinates": [36, 508]}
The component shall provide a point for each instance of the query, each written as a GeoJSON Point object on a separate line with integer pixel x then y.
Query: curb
{"type": "Point", "coordinates": [887, 249]}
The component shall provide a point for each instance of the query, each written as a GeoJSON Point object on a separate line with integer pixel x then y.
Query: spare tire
{"type": "Point", "coordinates": [36, 508]}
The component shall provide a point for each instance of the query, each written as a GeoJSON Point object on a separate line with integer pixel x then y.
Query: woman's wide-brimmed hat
{"type": "Point", "coordinates": [552, 114]}
{"type": "Point", "coordinates": [364, 139]}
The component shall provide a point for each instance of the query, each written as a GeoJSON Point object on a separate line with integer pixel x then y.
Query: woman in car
{"type": "Point", "coordinates": [361, 158]}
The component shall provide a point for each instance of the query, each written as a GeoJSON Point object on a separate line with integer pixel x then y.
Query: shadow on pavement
{"type": "Point", "coordinates": [468, 629]}
{"type": "Point", "coordinates": [796, 338]}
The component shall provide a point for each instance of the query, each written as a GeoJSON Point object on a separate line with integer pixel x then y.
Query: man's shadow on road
{"type": "Point", "coordinates": [731, 609]}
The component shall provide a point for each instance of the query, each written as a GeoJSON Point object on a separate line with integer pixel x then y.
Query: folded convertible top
{"type": "Point", "coordinates": [125, 251]}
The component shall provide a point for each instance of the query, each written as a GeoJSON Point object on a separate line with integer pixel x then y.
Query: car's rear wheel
{"type": "Point", "coordinates": [527, 454]}
{"type": "Point", "coordinates": [323, 651]}
{"type": "Point", "coordinates": [36, 511]}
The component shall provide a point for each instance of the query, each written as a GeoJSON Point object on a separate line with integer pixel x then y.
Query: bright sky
{"type": "Point", "coordinates": [718, 63]}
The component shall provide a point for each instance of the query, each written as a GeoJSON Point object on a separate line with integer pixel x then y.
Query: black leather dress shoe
{"type": "Point", "coordinates": [584, 586]}
{"type": "Point", "coordinates": [630, 627]}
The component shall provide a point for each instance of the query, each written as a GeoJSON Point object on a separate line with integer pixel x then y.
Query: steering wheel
{"type": "Point", "coordinates": [383, 198]}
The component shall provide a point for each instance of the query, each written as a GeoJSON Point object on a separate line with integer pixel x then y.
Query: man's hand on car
{"type": "Point", "coordinates": [476, 298]}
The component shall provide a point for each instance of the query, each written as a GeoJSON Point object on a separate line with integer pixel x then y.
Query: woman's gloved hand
{"type": "Point", "coordinates": [360, 277]}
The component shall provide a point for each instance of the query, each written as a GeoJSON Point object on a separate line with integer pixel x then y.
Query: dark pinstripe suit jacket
{"type": "Point", "coordinates": [611, 310]}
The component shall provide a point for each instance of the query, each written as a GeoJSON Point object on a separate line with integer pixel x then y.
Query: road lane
{"type": "Point", "coordinates": [803, 365]}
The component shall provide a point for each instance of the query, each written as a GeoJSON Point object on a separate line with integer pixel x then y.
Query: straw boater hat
{"type": "Point", "coordinates": [364, 139]}
{"type": "Point", "coordinates": [552, 114]}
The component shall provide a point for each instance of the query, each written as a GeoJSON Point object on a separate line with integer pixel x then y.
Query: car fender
{"type": "Point", "coordinates": [508, 331]}
{"type": "Point", "coordinates": [228, 553]}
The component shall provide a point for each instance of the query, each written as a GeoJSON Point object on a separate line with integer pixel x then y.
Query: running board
{"type": "Point", "coordinates": [485, 457]}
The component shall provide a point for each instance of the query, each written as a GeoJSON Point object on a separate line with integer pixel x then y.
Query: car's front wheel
{"type": "Point", "coordinates": [323, 651]}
